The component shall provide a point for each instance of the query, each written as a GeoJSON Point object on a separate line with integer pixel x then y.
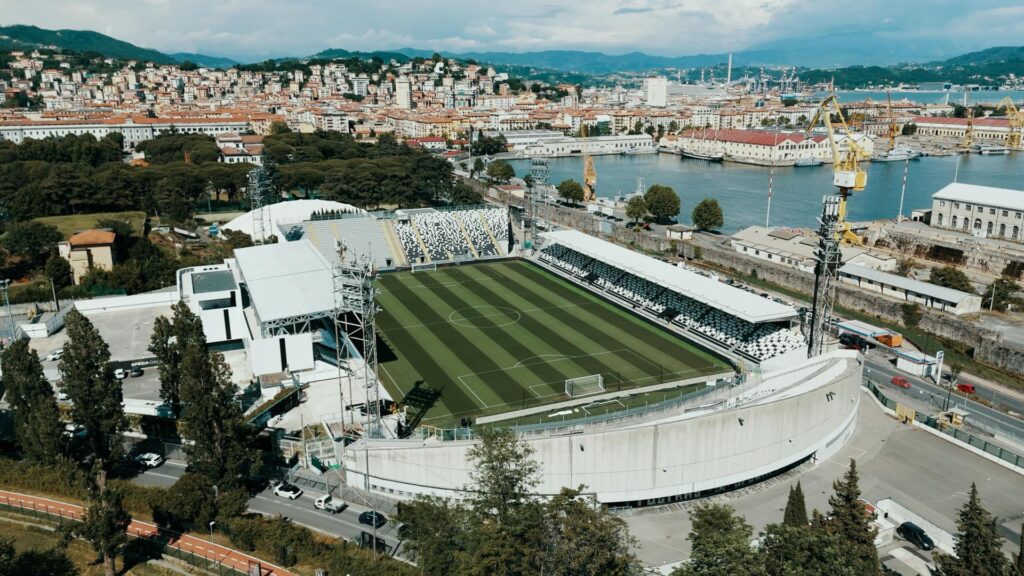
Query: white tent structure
{"type": "Point", "coordinates": [291, 212]}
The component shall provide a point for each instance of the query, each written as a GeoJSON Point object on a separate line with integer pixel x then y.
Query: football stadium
{"type": "Point", "coordinates": [508, 335]}
{"type": "Point", "coordinates": [645, 381]}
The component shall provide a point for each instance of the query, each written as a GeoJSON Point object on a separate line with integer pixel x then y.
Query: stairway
{"type": "Point", "coordinates": [423, 246]}
{"type": "Point", "coordinates": [490, 234]}
{"type": "Point", "coordinates": [469, 241]}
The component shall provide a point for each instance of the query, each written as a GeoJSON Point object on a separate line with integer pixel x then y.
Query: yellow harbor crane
{"type": "Point", "coordinates": [892, 127]}
{"type": "Point", "coordinates": [1016, 118]}
{"type": "Point", "coordinates": [847, 175]}
{"type": "Point", "coordinates": [968, 140]}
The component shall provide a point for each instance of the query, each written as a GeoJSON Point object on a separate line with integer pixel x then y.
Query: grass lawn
{"type": "Point", "coordinates": [72, 223]}
{"type": "Point", "coordinates": [490, 338]}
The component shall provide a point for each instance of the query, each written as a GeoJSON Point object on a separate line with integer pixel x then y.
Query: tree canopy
{"type": "Point", "coordinates": [570, 190]}
{"type": "Point", "coordinates": [951, 277]}
{"type": "Point", "coordinates": [37, 425]}
{"type": "Point", "coordinates": [662, 202]}
{"type": "Point", "coordinates": [636, 208]}
{"type": "Point", "coordinates": [707, 215]}
{"type": "Point", "coordinates": [500, 171]}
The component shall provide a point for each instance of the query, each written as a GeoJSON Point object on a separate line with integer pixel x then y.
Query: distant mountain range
{"type": "Point", "coordinates": [830, 55]}
{"type": "Point", "coordinates": [28, 37]}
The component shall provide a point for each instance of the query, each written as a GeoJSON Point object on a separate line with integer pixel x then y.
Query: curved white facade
{"type": "Point", "coordinates": [736, 436]}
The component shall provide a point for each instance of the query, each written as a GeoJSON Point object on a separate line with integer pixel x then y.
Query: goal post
{"type": "Point", "coordinates": [584, 385]}
{"type": "Point", "coordinates": [424, 267]}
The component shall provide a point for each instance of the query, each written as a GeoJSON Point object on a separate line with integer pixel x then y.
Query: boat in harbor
{"type": "Point", "coordinates": [897, 154]}
{"type": "Point", "coordinates": [808, 162]}
{"type": "Point", "coordinates": [709, 155]}
{"type": "Point", "coordinates": [993, 150]}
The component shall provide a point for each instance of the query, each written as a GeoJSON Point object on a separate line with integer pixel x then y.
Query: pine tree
{"type": "Point", "coordinates": [104, 525]}
{"type": "Point", "coordinates": [796, 508]}
{"type": "Point", "coordinates": [167, 342]}
{"type": "Point", "coordinates": [850, 521]}
{"type": "Point", "coordinates": [36, 418]}
{"type": "Point", "coordinates": [978, 546]}
{"type": "Point", "coordinates": [802, 551]}
{"type": "Point", "coordinates": [721, 544]}
{"type": "Point", "coordinates": [211, 419]}
{"type": "Point", "coordinates": [90, 384]}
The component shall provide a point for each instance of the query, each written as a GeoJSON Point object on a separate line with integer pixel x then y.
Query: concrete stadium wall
{"type": "Point", "coordinates": [809, 412]}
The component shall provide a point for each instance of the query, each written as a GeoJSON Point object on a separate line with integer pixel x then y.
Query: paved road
{"type": "Point", "coordinates": [185, 542]}
{"type": "Point", "coordinates": [344, 524]}
{"type": "Point", "coordinates": [925, 473]}
{"type": "Point", "coordinates": [989, 419]}
{"type": "Point", "coordinates": [163, 476]}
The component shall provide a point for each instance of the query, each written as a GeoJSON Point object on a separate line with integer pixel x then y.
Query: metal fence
{"type": "Point", "coordinates": [978, 442]}
{"type": "Point", "coordinates": [157, 544]}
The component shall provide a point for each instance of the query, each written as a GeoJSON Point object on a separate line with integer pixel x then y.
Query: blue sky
{"type": "Point", "coordinates": [261, 28]}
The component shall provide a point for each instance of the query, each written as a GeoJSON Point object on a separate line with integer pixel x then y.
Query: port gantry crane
{"type": "Point", "coordinates": [848, 177]}
{"type": "Point", "coordinates": [1016, 118]}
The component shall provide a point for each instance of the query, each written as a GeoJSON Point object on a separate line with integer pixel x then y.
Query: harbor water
{"type": "Point", "coordinates": [742, 190]}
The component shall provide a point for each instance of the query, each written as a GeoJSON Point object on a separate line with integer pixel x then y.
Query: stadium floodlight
{"type": "Point", "coordinates": [584, 385]}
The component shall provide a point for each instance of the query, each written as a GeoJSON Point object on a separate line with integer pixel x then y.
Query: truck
{"type": "Point", "coordinates": [330, 504]}
{"type": "Point", "coordinates": [890, 339]}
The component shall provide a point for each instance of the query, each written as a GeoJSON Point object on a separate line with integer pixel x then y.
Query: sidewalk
{"type": "Point", "coordinates": [222, 555]}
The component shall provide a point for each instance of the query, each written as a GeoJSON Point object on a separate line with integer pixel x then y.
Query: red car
{"type": "Point", "coordinates": [900, 381]}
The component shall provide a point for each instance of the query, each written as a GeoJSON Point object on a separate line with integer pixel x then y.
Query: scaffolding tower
{"type": "Point", "coordinates": [354, 321]}
{"type": "Point", "coordinates": [260, 192]}
{"type": "Point", "coordinates": [826, 275]}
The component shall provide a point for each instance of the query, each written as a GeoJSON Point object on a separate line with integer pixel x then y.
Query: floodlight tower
{"type": "Point", "coordinates": [260, 192]}
{"type": "Point", "coordinates": [355, 318]}
{"type": "Point", "coordinates": [826, 273]}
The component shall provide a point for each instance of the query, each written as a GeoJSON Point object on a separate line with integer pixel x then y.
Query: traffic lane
{"type": "Point", "coordinates": [163, 476]}
{"type": "Point", "coordinates": [344, 524]}
{"type": "Point", "coordinates": [882, 370]}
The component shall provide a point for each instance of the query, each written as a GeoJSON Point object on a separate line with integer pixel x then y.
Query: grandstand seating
{"type": "Point", "coordinates": [449, 234]}
{"type": "Point", "coordinates": [758, 341]}
{"type": "Point", "coordinates": [362, 236]}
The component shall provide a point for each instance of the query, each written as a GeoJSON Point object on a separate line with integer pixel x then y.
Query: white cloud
{"type": "Point", "coordinates": [261, 28]}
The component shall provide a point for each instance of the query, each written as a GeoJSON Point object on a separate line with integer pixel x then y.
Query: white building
{"type": "Point", "coordinates": [134, 129]}
{"type": "Point", "coordinates": [797, 248]}
{"type": "Point", "coordinates": [983, 211]}
{"type": "Point", "coordinates": [593, 146]}
{"type": "Point", "coordinates": [910, 290]}
{"type": "Point", "coordinates": [403, 93]}
{"type": "Point", "coordinates": [657, 91]}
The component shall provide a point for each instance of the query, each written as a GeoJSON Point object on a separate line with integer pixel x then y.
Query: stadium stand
{"type": "Point", "coordinates": [360, 235]}
{"type": "Point", "coordinates": [452, 234]}
{"type": "Point", "coordinates": [755, 340]}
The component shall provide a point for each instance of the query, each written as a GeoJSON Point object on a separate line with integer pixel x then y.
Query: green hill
{"type": "Point", "coordinates": [80, 41]}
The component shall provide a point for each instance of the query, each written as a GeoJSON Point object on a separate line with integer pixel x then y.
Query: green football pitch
{"type": "Point", "coordinates": [474, 340]}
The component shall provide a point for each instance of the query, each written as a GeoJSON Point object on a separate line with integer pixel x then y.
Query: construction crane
{"type": "Point", "coordinates": [847, 175]}
{"type": "Point", "coordinates": [968, 140]}
{"type": "Point", "coordinates": [1016, 118]}
{"type": "Point", "coordinates": [892, 121]}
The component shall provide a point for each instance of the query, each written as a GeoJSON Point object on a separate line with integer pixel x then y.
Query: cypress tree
{"type": "Point", "coordinates": [849, 520]}
{"type": "Point", "coordinates": [90, 384]}
{"type": "Point", "coordinates": [1018, 559]}
{"type": "Point", "coordinates": [104, 526]}
{"type": "Point", "coordinates": [796, 508]}
{"type": "Point", "coordinates": [978, 546]}
{"type": "Point", "coordinates": [36, 418]}
{"type": "Point", "coordinates": [167, 343]}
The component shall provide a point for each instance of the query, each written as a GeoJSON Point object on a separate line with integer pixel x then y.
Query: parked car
{"type": "Point", "coordinates": [149, 459]}
{"type": "Point", "coordinates": [900, 381]}
{"type": "Point", "coordinates": [915, 535]}
{"type": "Point", "coordinates": [289, 491]}
{"type": "Point", "coordinates": [120, 373]}
{"type": "Point", "coordinates": [329, 503]}
{"type": "Point", "coordinates": [375, 519]}
{"type": "Point", "coordinates": [55, 355]}
{"type": "Point", "coordinates": [135, 372]}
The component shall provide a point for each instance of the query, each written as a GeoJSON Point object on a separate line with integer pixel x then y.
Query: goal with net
{"type": "Point", "coordinates": [584, 385]}
{"type": "Point", "coordinates": [424, 267]}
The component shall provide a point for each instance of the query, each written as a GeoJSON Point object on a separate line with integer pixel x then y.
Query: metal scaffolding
{"type": "Point", "coordinates": [260, 191]}
{"type": "Point", "coordinates": [826, 275]}
{"type": "Point", "coordinates": [354, 318]}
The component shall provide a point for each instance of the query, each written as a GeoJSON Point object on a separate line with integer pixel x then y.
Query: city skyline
{"type": "Point", "coordinates": [264, 28]}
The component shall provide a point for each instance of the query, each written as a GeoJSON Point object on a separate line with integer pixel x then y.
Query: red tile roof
{"type": "Point", "coordinates": [92, 238]}
{"type": "Point", "coordinates": [755, 137]}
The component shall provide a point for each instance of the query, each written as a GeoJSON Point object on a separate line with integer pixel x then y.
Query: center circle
{"type": "Point", "coordinates": [484, 316]}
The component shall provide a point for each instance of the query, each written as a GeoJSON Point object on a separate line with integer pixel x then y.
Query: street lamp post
{"type": "Point", "coordinates": [4, 285]}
